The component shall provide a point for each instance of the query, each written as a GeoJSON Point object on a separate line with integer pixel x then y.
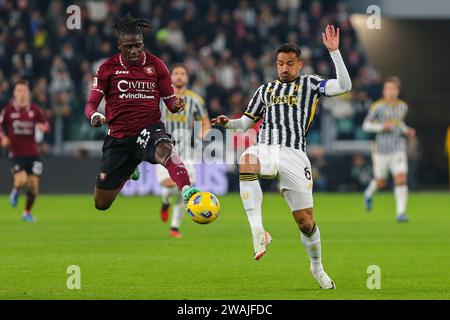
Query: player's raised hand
{"type": "Point", "coordinates": [179, 105]}
{"type": "Point", "coordinates": [220, 121]}
{"type": "Point", "coordinates": [97, 120]}
{"type": "Point", "coordinates": [330, 38]}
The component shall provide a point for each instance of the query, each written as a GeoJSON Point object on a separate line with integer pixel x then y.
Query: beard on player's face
{"type": "Point", "coordinates": [289, 66]}
{"type": "Point", "coordinates": [288, 76]}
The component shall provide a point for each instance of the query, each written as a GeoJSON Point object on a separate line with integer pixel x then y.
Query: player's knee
{"type": "Point", "coordinates": [20, 183]}
{"type": "Point", "coordinates": [304, 219]}
{"type": "Point", "coordinates": [307, 227]}
{"type": "Point", "coordinates": [20, 180]}
{"type": "Point", "coordinates": [163, 151]}
{"type": "Point", "coordinates": [102, 205]}
{"type": "Point", "coordinates": [381, 184]}
{"type": "Point", "coordinates": [248, 163]}
{"type": "Point", "coordinates": [400, 179]}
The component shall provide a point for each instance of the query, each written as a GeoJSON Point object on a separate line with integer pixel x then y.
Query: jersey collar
{"type": "Point", "coordinates": [126, 65]}
{"type": "Point", "coordinates": [279, 80]}
{"type": "Point", "coordinates": [18, 108]}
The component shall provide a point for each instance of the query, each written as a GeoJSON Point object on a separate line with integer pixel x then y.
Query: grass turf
{"type": "Point", "coordinates": [126, 253]}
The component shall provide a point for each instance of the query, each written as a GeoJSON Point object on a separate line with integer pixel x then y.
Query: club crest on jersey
{"type": "Point", "coordinates": [31, 114]}
{"type": "Point", "coordinates": [149, 70]}
{"type": "Point", "coordinates": [102, 176]}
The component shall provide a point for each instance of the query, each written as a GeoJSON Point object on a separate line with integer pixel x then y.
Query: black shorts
{"type": "Point", "coordinates": [31, 165]}
{"type": "Point", "coordinates": [122, 156]}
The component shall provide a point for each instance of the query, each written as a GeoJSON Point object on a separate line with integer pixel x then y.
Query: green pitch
{"type": "Point", "coordinates": [126, 253]}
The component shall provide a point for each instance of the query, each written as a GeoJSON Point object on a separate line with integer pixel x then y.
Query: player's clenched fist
{"type": "Point", "coordinates": [179, 105]}
{"type": "Point", "coordinates": [220, 121]}
{"type": "Point", "coordinates": [97, 120]}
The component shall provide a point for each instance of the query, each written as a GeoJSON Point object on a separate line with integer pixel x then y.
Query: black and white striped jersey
{"type": "Point", "coordinates": [182, 124]}
{"type": "Point", "coordinates": [287, 109]}
{"type": "Point", "coordinates": [194, 110]}
{"type": "Point", "coordinates": [393, 140]}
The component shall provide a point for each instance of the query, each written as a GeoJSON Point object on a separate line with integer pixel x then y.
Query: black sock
{"type": "Point", "coordinates": [30, 201]}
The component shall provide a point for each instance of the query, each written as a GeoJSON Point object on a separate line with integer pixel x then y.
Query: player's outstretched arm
{"type": "Point", "coordinates": [408, 131]}
{"type": "Point", "coordinates": [342, 83]}
{"type": "Point", "coordinates": [43, 126]}
{"type": "Point", "coordinates": [241, 124]}
{"type": "Point", "coordinates": [97, 119]}
{"type": "Point", "coordinates": [371, 124]}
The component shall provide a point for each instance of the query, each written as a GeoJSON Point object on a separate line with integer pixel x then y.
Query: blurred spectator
{"type": "Point", "coordinates": [318, 168]}
{"type": "Point", "coordinates": [361, 173]}
{"type": "Point", "coordinates": [228, 47]}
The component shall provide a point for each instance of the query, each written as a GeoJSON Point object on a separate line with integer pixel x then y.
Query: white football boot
{"type": "Point", "coordinates": [260, 243]}
{"type": "Point", "coordinates": [323, 280]}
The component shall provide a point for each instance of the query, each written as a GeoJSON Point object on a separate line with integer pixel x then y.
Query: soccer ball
{"type": "Point", "coordinates": [203, 207]}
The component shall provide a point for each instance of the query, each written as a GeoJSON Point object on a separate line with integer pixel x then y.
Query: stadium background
{"type": "Point", "coordinates": [229, 49]}
{"type": "Point", "coordinates": [127, 253]}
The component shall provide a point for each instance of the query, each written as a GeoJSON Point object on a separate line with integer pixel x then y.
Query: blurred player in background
{"type": "Point", "coordinates": [386, 119]}
{"type": "Point", "coordinates": [18, 123]}
{"type": "Point", "coordinates": [287, 106]}
{"type": "Point", "coordinates": [133, 82]}
{"type": "Point", "coordinates": [181, 126]}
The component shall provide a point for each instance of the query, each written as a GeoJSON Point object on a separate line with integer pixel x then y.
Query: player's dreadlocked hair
{"type": "Point", "coordinates": [131, 25]}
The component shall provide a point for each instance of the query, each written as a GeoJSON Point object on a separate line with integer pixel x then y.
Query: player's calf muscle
{"type": "Point", "coordinates": [33, 185]}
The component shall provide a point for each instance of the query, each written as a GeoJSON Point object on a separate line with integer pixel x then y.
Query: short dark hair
{"type": "Point", "coordinates": [395, 80]}
{"type": "Point", "coordinates": [290, 47]}
{"type": "Point", "coordinates": [180, 65]}
{"type": "Point", "coordinates": [131, 25]}
{"type": "Point", "coordinates": [25, 82]}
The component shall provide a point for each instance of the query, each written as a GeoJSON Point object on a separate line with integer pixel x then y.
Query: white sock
{"type": "Point", "coordinates": [251, 196]}
{"type": "Point", "coordinates": [313, 248]}
{"type": "Point", "coordinates": [371, 188]}
{"type": "Point", "coordinates": [177, 214]}
{"type": "Point", "coordinates": [167, 193]}
{"type": "Point", "coordinates": [401, 197]}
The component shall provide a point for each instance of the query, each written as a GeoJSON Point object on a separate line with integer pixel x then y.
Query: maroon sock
{"type": "Point", "coordinates": [177, 171]}
{"type": "Point", "coordinates": [30, 200]}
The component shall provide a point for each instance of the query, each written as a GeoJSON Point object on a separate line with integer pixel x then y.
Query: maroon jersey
{"type": "Point", "coordinates": [20, 124]}
{"type": "Point", "coordinates": [132, 93]}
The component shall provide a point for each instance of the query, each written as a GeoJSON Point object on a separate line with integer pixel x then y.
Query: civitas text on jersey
{"type": "Point", "coordinates": [145, 86]}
